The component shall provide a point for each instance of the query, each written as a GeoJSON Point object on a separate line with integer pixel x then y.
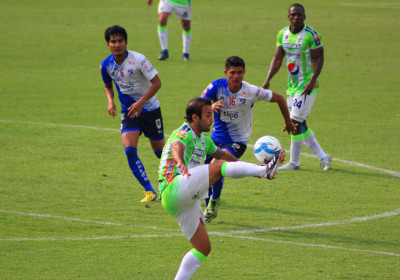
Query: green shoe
{"type": "Point", "coordinates": [211, 211]}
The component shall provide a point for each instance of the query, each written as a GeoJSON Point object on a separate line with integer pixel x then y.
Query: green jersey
{"type": "Point", "coordinates": [197, 147]}
{"type": "Point", "coordinates": [180, 2]}
{"type": "Point", "coordinates": [298, 48]}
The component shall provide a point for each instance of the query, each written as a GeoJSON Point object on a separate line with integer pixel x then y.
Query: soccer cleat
{"type": "Point", "coordinates": [211, 211]}
{"type": "Point", "coordinates": [326, 162]}
{"type": "Point", "coordinates": [186, 57]}
{"type": "Point", "coordinates": [273, 164]}
{"type": "Point", "coordinates": [163, 56]}
{"type": "Point", "coordinates": [289, 166]}
{"type": "Point", "coordinates": [149, 197]}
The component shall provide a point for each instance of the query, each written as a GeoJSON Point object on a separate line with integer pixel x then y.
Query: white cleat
{"type": "Point", "coordinates": [326, 162]}
{"type": "Point", "coordinates": [289, 166]}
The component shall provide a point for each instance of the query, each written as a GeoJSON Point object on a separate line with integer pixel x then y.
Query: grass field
{"type": "Point", "coordinates": [69, 205]}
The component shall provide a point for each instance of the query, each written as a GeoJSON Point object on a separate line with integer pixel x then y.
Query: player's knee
{"type": "Point", "coordinates": [131, 152]}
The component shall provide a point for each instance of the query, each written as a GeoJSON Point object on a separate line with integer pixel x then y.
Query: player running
{"type": "Point", "coordinates": [304, 60]}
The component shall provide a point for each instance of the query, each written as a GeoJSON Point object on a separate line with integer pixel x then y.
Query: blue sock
{"type": "Point", "coordinates": [217, 188]}
{"type": "Point", "coordinates": [158, 153]}
{"type": "Point", "coordinates": [137, 168]}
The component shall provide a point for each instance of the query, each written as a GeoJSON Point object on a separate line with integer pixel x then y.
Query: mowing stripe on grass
{"type": "Point", "coordinates": [391, 172]}
{"type": "Point", "coordinates": [81, 220]}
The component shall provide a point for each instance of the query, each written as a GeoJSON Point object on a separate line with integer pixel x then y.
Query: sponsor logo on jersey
{"type": "Point", "coordinates": [181, 136]}
{"type": "Point", "coordinates": [292, 46]}
{"type": "Point", "coordinates": [130, 71]}
{"type": "Point", "coordinates": [128, 87]}
{"type": "Point", "coordinates": [293, 68]}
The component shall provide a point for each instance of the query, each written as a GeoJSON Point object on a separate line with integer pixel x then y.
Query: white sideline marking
{"type": "Point", "coordinates": [393, 173]}
{"type": "Point", "coordinates": [81, 220]}
{"type": "Point", "coordinates": [354, 220]}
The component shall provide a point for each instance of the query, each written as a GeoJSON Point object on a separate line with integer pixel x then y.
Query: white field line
{"type": "Point", "coordinates": [81, 220]}
{"type": "Point", "coordinates": [231, 234]}
{"type": "Point", "coordinates": [393, 173]}
{"type": "Point", "coordinates": [354, 220]}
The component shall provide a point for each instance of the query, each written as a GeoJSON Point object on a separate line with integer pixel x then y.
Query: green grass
{"type": "Point", "coordinates": [69, 205]}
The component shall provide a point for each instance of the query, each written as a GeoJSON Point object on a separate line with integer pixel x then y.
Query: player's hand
{"type": "Point", "coordinates": [290, 127]}
{"type": "Point", "coordinates": [218, 106]}
{"type": "Point", "coordinates": [183, 168]}
{"type": "Point", "coordinates": [112, 109]}
{"type": "Point", "coordinates": [134, 110]}
{"type": "Point", "coordinates": [149, 2]}
{"type": "Point", "coordinates": [308, 88]}
{"type": "Point", "coordinates": [265, 85]}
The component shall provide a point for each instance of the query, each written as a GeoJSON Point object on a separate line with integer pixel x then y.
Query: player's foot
{"type": "Point", "coordinates": [163, 56]}
{"type": "Point", "coordinates": [149, 197]}
{"type": "Point", "coordinates": [186, 57]}
{"type": "Point", "coordinates": [289, 166]}
{"type": "Point", "coordinates": [326, 162]}
{"type": "Point", "coordinates": [273, 164]}
{"type": "Point", "coordinates": [211, 211]}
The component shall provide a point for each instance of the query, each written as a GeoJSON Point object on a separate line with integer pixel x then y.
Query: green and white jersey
{"type": "Point", "coordinates": [298, 57]}
{"type": "Point", "coordinates": [180, 2]}
{"type": "Point", "coordinates": [196, 150]}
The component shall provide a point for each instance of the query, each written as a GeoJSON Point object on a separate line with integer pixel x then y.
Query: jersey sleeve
{"type": "Point", "coordinates": [211, 148]}
{"type": "Point", "coordinates": [279, 39]}
{"type": "Point", "coordinates": [210, 92]}
{"type": "Point", "coordinates": [261, 94]}
{"type": "Point", "coordinates": [316, 41]}
{"type": "Point", "coordinates": [106, 77]}
{"type": "Point", "coordinates": [146, 67]}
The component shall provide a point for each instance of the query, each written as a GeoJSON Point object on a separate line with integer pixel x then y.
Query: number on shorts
{"type": "Point", "coordinates": [297, 103]}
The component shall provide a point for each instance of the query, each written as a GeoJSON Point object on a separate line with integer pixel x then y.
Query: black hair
{"type": "Point", "coordinates": [234, 61]}
{"type": "Point", "coordinates": [195, 107]}
{"type": "Point", "coordinates": [113, 30]}
{"type": "Point", "coordinates": [297, 5]}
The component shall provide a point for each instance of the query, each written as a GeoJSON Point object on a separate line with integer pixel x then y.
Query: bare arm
{"type": "Point", "coordinates": [317, 56]}
{"type": "Point", "coordinates": [177, 151]}
{"type": "Point", "coordinates": [136, 108]}
{"type": "Point", "coordinates": [290, 127]}
{"type": "Point", "coordinates": [222, 154]}
{"type": "Point", "coordinates": [112, 109]}
{"type": "Point", "coordinates": [275, 65]}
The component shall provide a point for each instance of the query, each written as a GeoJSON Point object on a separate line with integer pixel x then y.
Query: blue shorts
{"type": "Point", "coordinates": [150, 123]}
{"type": "Point", "coordinates": [235, 148]}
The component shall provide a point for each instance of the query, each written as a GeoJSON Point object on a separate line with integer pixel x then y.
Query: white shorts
{"type": "Point", "coordinates": [183, 12]}
{"type": "Point", "coordinates": [300, 106]}
{"type": "Point", "coordinates": [191, 191]}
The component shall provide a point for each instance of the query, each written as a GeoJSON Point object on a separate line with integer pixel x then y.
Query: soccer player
{"type": "Point", "coordinates": [233, 112]}
{"type": "Point", "coordinates": [183, 10]}
{"type": "Point", "coordinates": [304, 60]}
{"type": "Point", "coordinates": [184, 182]}
{"type": "Point", "coordinates": [137, 82]}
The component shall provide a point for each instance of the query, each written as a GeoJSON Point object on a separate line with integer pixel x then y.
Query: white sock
{"type": "Point", "coordinates": [312, 143]}
{"type": "Point", "coordinates": [189, 265]}
{"type": "Point", "coordinates": [240, 169]}
{"type": "Point", "coordinates": [187, 39]}
{"type": "Point", "coordinates": [163, 35]}
{"type": "Point", "coordinates": [295, 150]}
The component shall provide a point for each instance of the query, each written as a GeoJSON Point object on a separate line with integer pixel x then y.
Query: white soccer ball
{"type": "Point", "coordinates": [266, 147]}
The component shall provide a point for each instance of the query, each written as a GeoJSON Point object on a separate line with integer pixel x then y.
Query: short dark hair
{"type": "Point", "coordinates": [113, 30]}
{"type": "Point", "coordinates": [195, 107]}
{"type": "Point", "coordinates": [234, 61]}
{"type": "Point", "coordinates": [297, 5]}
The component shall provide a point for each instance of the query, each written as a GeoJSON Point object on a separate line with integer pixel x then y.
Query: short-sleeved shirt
{"type": "Point", "coordinates": [298, 56]}
{"type": "Point", "coordinates": [197, 147]}
{"type": "Point", "coordinates": [131, 78]}
{"type": "Point", "coordinates": [234, 123]}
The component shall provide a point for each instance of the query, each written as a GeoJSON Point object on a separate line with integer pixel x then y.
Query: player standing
{"type": "Point", "coordinates": [233, 112]}
{"type": "Point", "coordinates": [183, 182]}
{"type": "Point", "coordinates": [183, 10]}
{"type": "Point", "coordinates": [304, 60]}
{"type": "Point", "coordinates": [137, 82]}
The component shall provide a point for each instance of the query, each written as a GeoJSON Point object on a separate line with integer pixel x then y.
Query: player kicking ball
{"type": "Point", "coordinates": [184, 182]}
